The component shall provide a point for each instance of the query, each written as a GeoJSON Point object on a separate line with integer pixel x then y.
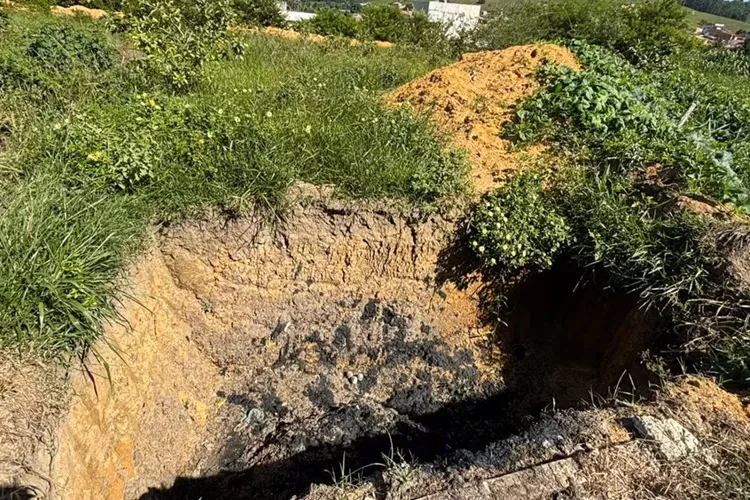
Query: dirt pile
{"type": "Point", "coordinates": [308, 37]}
{"type": "Point", "coordinates": [78, 10]}
{"type": "Point", "coordinates": [471, 99]}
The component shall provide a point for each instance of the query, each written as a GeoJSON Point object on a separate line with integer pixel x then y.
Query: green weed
{"type": "Point", "coordinates": [517, 226]}
{"type": "Point", "coordinates": [86, 167]}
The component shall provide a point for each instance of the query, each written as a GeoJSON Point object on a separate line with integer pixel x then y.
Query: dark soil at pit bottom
{"type": "Point", "coordinates": [304, 420]}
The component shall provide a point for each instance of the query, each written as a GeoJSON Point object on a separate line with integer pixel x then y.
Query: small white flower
{"type": "Point", "coordinates": [269, 114]}
{"type": "Point", "coordinates": [308, 129]}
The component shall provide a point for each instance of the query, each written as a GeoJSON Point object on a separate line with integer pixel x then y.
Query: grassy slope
{"type": "Point", "coordinates": [696, 18]}
{"type": "Point", "coordinates": [80, 180]}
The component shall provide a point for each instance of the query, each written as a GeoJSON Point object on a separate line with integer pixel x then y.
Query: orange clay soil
{"type": "Point", "coordinates": [471, 100]}
{"type": "Point", "coordinates": [78, 10]}
{"type": "Point", "coordinates": [309, 37]}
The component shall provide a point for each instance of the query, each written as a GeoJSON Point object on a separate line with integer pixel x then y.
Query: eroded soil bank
{"type": "Point", "coordinates": [261, 356]}
{"type": "Point", "coordinates": [247, 345]}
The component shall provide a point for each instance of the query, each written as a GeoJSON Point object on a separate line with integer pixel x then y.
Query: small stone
{"type": "Point", "coordinates": [671, 440]}
{"type": "Point", "coordinates": [254, 416]}
{"type": "Point", "coordinates": [361, 377]}
{"type": "Point", "coordinates": [353, 380]}
{"type": "Point", "coordinates": [349, 374]}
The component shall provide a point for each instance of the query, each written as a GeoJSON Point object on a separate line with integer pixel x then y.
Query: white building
{"type": "Point", "coordinates": [457, 17]}
{"type": "Point", "coordinates": [291, 15]}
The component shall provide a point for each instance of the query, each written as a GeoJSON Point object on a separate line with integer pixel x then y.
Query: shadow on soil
{"type": "Point", "coordinates": [16, 493]}
{"type": "Point", "coordinates": [567, 340]}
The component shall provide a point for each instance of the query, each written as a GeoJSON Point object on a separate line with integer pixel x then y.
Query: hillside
{"type": "Point", "coordinates": [698, 18]}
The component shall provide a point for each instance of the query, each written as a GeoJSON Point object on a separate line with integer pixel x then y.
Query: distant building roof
{"type": "Point", "coordinates": [293, 16]}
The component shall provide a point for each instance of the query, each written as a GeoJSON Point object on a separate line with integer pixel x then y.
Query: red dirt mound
{"type": "Point", "coordinates": [471, 99]}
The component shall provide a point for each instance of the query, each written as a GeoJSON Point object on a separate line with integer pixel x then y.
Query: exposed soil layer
{"type": "Point", "coordinates": [249, 344]}
{"type": "Point", "coordinates": [33, 397]}
{"type": "Point", "coordinates": [473, 98]}
{"type": "Point", "coordinates": [254, 357]}
{"type": "Point", "coordinates": [590, 453]}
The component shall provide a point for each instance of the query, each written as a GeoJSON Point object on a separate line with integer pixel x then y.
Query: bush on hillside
{"type": "Point", "coordinates": [15, 72]}
{"type": "Point", "coordinates": [331, 22]}
{"type": "Point", "coordinates": [259, 12]}
{"type": "Point", "coordinates": [644, 31]}
{"type": "Point", "coordinates": [60, 47]}
{"type": "Point", "coordinates": [387, 23]}
{"type": "Point", "coordinates": [179, 37]}
{"type": "Point", "coordinates": [382, 22]}
{"type": "Point", "coordinates": [517, 226]}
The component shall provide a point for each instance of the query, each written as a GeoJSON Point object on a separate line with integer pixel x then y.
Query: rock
{"type": "Point", "coordinates": [535, 483]}
{"type": "Point", "coordinates": [255, 416]}
{"type": "Point", "coordinates": [671, 440]}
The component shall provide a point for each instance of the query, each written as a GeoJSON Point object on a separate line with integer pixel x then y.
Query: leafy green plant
{"type": "Point", "coordinates": [331, 22]}
{"type": "Point", "coordinates": [60, 46]}
{"type": "Point", "coordinates": [621, 118]}
{"type": "Point", "coordinates": [179, 37]}
{"type": "Point", "coordinates": [16, 72]}
{"type": "Point", "coordinates": [259, 12]}
{"type": "Point", "coordinates": [382, 22]}
{"type": "Point", "coordinates": [517, 226]}
{"type": "Point", "coordinates": [644, 31]}
{"type": "Point", "coordinates": [108, 147]}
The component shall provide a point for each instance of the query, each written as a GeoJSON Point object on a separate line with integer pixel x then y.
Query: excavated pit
{"type": "Point", "coordinates": [254, 357]}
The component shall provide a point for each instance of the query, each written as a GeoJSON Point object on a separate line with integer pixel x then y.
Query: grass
{"type": "Point", "coordinates": [697, 18]}
{"type": "Point", "coordinates": [81, 181]}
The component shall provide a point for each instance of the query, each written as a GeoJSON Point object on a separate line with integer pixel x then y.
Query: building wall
{"type": "Point", "coordinates": [459, 17]}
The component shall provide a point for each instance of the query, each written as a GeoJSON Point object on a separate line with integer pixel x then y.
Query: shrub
{"type": "Point", "coordinates": [59, 47]}
{"type": "Point", "coordinates": [16, 72]}
{"type": "Point", "coordinates": [179, 37]}
{"type": "Point", "coordinates": [645, 31]}
{"type": "Point", "coordinates": [331, 22]}
{"type": "Point", "coordinates": [518, 226]}
{"type": "Point", "coordinates": [259, 12]}
{"type": "Point", "coordinates": [621, 118]}
{"type": "Point", "coordinates": [108, 148]}
{"type": "Point", "coordinates": [382, 22]}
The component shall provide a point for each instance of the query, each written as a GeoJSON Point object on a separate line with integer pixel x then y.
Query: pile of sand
{"type": "Point", "coordinates": [309, 37]}
{"type": "Point", "coordinates": [78, 10]}
{"type": "Point", "coordinates": [471, 99]}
